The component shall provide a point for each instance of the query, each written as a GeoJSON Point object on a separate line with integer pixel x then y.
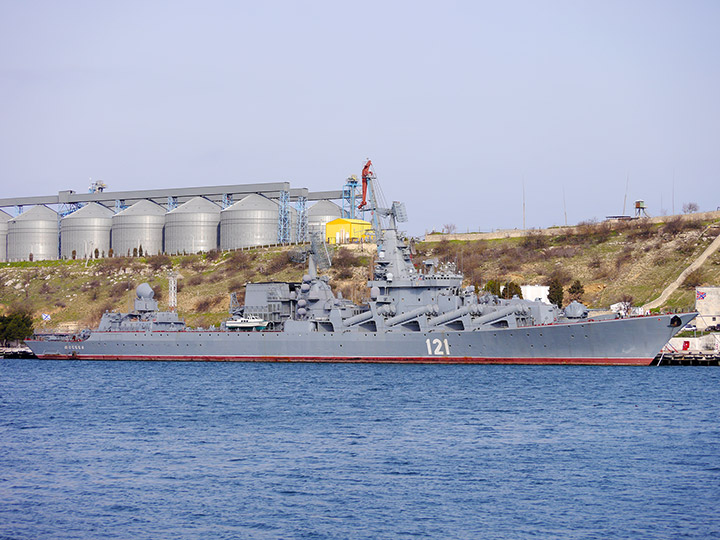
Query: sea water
{"type": "Point", "coordinates": [162, 450]}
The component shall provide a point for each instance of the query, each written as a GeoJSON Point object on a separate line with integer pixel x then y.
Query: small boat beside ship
{"type": "Point", "coordinates": [246, 323]}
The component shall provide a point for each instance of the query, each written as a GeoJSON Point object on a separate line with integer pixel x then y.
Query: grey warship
{"type": "Point", "coordinates": [414, 315]}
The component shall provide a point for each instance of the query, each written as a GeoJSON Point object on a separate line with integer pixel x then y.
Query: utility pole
{"type": "Point", "coordinates": [627, 183]}
{"type": "Point", "coordinates": [673, 193]}
{"type": "Point", "coordinates": [523, 190]}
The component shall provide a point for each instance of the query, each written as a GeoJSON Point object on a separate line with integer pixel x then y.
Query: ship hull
{"type": "Point", "coordinates": [633, 341]}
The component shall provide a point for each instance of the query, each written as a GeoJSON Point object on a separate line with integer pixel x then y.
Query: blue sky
{"type": "Point", "coordinates": [457, 103]}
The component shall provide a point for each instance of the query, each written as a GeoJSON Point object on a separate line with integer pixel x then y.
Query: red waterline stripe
{"type": "Point", "coordinates": [364, 360]}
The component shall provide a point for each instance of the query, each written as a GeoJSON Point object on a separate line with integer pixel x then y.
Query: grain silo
{"type": "Point", "coordinates": [192, 227]}
{"type": "Point", "coordinates": [86, 232]}
{"type": "Point", "coordinates": [4, 218]}
{"type": "Point", "coordinates": [319, 214]}
{"type": "Point", "coordinates": [139, 226]}
{"type": "Point", "coordinates": [33, 233]}
{"type": "Point", "coordinates": [252, 221]}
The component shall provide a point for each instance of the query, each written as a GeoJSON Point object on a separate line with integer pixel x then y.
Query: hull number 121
{"type": "Point", "coordinates": [437, 347]}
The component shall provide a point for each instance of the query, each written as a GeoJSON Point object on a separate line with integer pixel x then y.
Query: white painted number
{"type": "Point", "coordinates": [442, 348]}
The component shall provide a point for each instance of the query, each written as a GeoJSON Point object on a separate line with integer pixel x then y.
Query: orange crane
{"type": "Point", "coordinates": [367, 174]}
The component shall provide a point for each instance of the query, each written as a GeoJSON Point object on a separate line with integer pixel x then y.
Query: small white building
{"type": "Point", "coordinates": [535, 292]}
{"type": "Point", "coordinates": [707, 304]}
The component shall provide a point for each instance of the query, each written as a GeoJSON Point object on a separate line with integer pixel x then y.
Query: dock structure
{"type": "Point", "coordinates": [687, 359]}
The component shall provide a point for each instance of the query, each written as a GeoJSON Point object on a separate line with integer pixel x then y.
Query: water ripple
{"type": "Point", "coordinates": [182, 450]}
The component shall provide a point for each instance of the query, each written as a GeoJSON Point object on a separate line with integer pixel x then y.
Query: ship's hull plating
{"type": "Point", "coordinates": [634, 341]}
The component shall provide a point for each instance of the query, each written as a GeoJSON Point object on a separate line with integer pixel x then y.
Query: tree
{"type": "Point", "coordinates": [576, 290]}
{"type": "Point", "coordinates": [691, 207]}
{"type": "Point", "coordinates": [140, 251]}
{"type": "Point", "coordinates": [135, 252]}
{"type": "Point", "coordinates": [97, 253]}
{"type": "Point", "coordinates": [16, 326]}
{"type": "Point", "coordinates": [493, 287]}
{"type": "Point", "coordinates": [449, 228]}
{"type": "Point", "coordinates": [511, 289]}
{"type": "Point", "coordinates": [555, 294]}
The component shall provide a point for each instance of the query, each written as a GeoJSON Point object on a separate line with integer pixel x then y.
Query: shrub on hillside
{"type": "Point", "coordinates": [694, 279]}
{"type": "Point", "coordinates": [215, 277]}
{"type": "Point", "coordinates": [279, 262]}
{"type": "Point", "coordinates": [344, 273]}
{"type": "Point", "coordinates": [595, 262]}
{"type": "Point", "coordinates": [187, 261]}
{"type": "Point", "coordinates": [623, 257]}
{"type": "Point", "coordinates": [195, 280]}
{"type": "Point", "coordinates": [641, 230]}
{"type": "Point", "coordinates": [235, 286]}
{"type": "Point", "coordinates": [563, 251]}
{"type": "Point", "coordinates": [110, 266]}
{"type": "Point", "coordinates": [158, 290]}
{"type": "Point", "coordinates": [90, 285]}
{"type": "Point", "coordinates": [212, 255]}
{"type": "Point", "coordinates": [119, 289]}
{"type": "Point", "coordinates": [239, 259]}
{"type": "Point", "coordinates": [203, 305]}
{"type": "Point", "coordinates": [345, 258]}
{"type": "Point", "coordinates": [678, 225]}
{"type": "Point", "coordinates": [156, 262]}
{"type": "Point", "coordinates": [534, 240]}
{"type": "Point", "coordinates": [559, 274]}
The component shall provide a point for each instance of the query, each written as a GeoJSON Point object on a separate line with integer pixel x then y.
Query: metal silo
{"type": "Point", "coordinates": [192, 227]}
{"type": "Point", "coordinates": [319, 214]}
{"type": "Point", "coordinates": [35, 233]}
{"type": "Point", "coordinates": [86, 231]}
{"type": "Point", "coordinates": [4, 218]}
{"type": "Point", "coordinates": [139, 226]}
{"type": "Point", "coordinates": [253, 221]}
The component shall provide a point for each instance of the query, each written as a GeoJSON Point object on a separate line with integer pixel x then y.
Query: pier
{"type": "Point", "coordinates": [687, 359]}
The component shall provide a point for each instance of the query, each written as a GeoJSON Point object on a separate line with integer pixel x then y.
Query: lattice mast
{"type": "Point", "coordinates": [302, 224]}
{"type": "Point", "coordinates": [172, 290]}
{"type": "Point", "coordinates": [284, 218]}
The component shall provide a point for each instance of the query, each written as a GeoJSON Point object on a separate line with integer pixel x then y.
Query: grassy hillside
{"type": "Point", "coordinates": [637, 259]}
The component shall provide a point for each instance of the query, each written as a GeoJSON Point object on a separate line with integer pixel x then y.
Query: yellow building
{"type": "Point", "coordinates": [344, 230]}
